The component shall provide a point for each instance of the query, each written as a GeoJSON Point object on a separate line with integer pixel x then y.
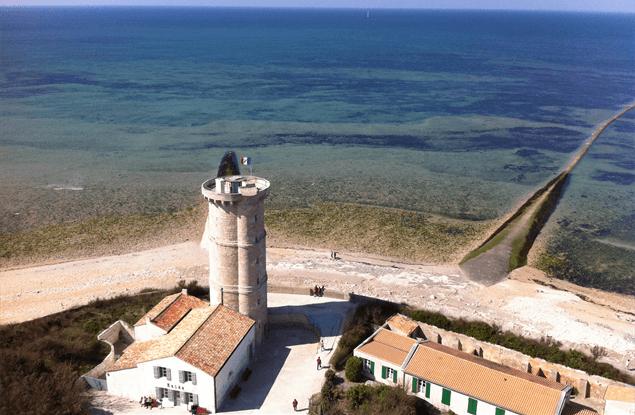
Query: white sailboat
{"type": "Point", "coordinates": [367, 14]}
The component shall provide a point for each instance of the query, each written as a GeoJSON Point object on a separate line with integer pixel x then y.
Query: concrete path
{"type": "Point", "coordinates": [286, 366]}
{"type": "Point", "coordinates": [284, 369]}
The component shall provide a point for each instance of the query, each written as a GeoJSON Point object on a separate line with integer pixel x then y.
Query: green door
{"type": "Point", "coordinates": [471, 406]}
{"type": "Point", "coordinates": [414, 385]}
{"type": "Point", "coordinates": [500, 411]}
{"type": "Point", "coordinates": [394, 376]}
{"type": "Point", "coordinates": [383, 372]}
{"type": "Point", "coordinates": [427, 389]}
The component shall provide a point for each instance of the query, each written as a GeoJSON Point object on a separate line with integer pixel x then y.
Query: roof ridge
{"type": "Point", "coordinates": [398, 335]}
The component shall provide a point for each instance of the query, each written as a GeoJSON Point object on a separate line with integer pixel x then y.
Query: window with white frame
{"type": "Point", "coordinates": [368, 365]}
{"type": "Point", "coordinates": [421, 385]}
{"type": "Point", "coordinates": [390, 373]}
{"type": "Point", "coordinates": [163, 372]}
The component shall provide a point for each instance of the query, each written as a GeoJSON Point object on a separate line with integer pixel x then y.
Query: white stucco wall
{"type": "Point", "coordinates": [232, 370]}
{"type": "Point", "coordinates": [619, 408]}
{"type": "Point", "coordinates": [458, 401]}
{"type": "Point", "coordinates": [204, 387]}
{"type": "Point", "coordinates": [139, 381]}
{"type": "Point", "coordinates": [126, 383]}
{"type": "Point", "coordinates": [378, 369]}
{"type": "Point", "coordinates": [147, 332]}
{"type": "Point", "coordinates": [376, 373]}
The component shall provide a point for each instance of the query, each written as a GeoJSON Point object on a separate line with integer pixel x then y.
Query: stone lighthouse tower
{"type": "Point", "coordinates": [236, 238]}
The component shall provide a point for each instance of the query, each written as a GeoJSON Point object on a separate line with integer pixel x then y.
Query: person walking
{"type": "Point", "coordinates": [295, 405]}
{"type": "Point", "coordinates": [322, 345]}
{"type": "Point", "coordinates": [319, 363]}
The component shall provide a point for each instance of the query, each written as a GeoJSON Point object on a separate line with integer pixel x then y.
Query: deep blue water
{"type": "Point", "coordinates": [582, 60]}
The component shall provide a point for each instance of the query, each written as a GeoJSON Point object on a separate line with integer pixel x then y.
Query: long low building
{"type": "Point", "coordinates": [453, 380]}
{"type": "Point", "coordinates": [185, 352]}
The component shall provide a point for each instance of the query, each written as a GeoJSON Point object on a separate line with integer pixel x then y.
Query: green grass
{"type": "Point", "coordinates": [396, 233]}
{"type": "Point", "coordinates": [367, 316]}
{"type": "Point", "coordinates": [43, 358]}
{"type": "Point", "coordinates": [497, 239]}
{"type": "Point", "coordinates": [107, 234]}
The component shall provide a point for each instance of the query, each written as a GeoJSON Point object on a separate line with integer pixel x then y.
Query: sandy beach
{"type": "Point", "coordinates": [527, 303]}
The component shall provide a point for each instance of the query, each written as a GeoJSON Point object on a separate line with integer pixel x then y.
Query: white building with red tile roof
{"type": "Point", "coordinates": [619, 400]}
{"type": "Point", "coordinates": [453, 380]}
{"type": "Point", "coordinates": [186, 352]}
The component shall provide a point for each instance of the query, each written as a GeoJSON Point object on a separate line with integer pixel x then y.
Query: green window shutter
{"type": "Point", "coordinates": [414, 385]}
{"type": "Point", "coordinates": [427, 389]}
{"type": "Point", "coordinates": [372, 367]}
{"type": "Point", "coordinates": [383, 372]}
{"type": "Point", "coordinates": [445, 398]}
{"type": "Point", "coordinates": [471, 406]}
{"type": "Point", "coordinates": [500, 411]}
{"type": "Point", "coordinates": [394, 376]}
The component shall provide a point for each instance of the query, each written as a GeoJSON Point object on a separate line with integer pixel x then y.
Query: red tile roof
{"type": "Point", "coordinates": [388, 346]}
{"type": "Point", "coordinates": [171, 310]}
{"type": "Point", "coordinates": [574, 408]}
{"type": "Point", "coordinates": [620, 393]}
{"type": "Point", "coordinates": [205, 337]}
{"type": "Point", "coordinates": [485, 380]}
{"type": "Point", "coordinates": [402, 323]}
{"type": "Point", "coordinates": [215, 341]}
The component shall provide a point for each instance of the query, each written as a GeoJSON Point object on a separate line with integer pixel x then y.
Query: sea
{"type": "Point", "coordinates": [461, 113]}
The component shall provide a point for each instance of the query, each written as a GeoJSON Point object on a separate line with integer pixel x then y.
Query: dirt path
{"type": "Point", "coordinates": [491, 267]}
{"type": "Point", "coordinates": [579, 317]}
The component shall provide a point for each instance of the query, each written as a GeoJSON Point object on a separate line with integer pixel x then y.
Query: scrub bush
{"type": "Point", "coordinates": [354, 369]}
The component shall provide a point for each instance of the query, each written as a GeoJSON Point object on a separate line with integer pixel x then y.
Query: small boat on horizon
{"type": "Point", "coordinates": [367, 14]}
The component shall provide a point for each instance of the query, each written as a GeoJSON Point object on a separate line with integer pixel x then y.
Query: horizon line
{"type": "Point", "coordinates": [39, 6]}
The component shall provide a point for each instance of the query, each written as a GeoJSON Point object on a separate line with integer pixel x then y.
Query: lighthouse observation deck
{"type": "Point", "coordinates": [235, 189]}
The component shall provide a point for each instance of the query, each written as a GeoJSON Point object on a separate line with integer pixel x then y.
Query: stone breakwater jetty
{"type": "Point", "coordinates": [507, 248]}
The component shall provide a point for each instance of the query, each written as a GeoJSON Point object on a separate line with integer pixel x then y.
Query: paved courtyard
{"type": "Point", "coordinates": [284, 369]}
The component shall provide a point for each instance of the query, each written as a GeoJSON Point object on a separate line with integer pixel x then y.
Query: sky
{"type": "Point", "coordinates": [624, 6]}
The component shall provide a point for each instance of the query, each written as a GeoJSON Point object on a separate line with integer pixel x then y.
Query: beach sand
{"type": "Point", "coordinates": [527, 303]}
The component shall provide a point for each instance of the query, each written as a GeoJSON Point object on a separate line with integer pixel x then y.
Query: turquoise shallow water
{"type": "Point", "coordinates": [461, 113]}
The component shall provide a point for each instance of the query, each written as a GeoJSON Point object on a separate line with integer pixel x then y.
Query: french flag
{"type": "Point", "coordinates": [245, 161]}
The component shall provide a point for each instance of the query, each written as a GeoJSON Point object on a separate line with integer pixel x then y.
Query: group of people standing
{"type": "Point", "coordinates": [317, 291]}
{"type": "Point", "coordinates": [149, 402]}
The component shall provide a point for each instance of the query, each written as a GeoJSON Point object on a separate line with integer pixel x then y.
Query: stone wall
{"type": "Point", "coordinates": [118, 331]}
{"type": "Point", "coordinates": [281, 289]}
{"type": "Point", "coordinates": [587, 385]}
{"type": "Point", "coordinates": [297, 320]}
